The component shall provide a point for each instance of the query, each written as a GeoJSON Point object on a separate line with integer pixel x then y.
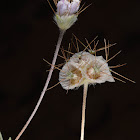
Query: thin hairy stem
{"type": "Point", "coordinates": [83, 110]}
{"type": "Point", "coordinates": [46, 85]}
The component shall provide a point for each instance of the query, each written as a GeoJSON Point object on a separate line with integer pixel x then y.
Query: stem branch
{"type": "Point", "coordinates": [83, 110]}
{"type": "Point", "coordinates": [46, 84]}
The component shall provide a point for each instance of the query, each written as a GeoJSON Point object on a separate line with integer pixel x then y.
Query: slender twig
{"type": "Point", "coordinates": [83, 110]}
{"type": "Point", "coordinates": [46, 84]}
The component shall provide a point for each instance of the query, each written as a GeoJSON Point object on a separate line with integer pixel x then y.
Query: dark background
{"type": "Point", "coordinates": [28, 34]}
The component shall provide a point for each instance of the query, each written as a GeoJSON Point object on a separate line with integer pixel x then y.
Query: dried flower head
{"type": "Point", "coordinates": [70, 76]}
{"type": "Point", "coordinates": [82, 68]}
{"type": "Point", "coordinates": [86, 67]}
{"type": "Point", "coordinates": [66, 13]}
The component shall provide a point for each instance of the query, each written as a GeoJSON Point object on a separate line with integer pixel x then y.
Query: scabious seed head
{"type": "Point", "coordinates": [70, 76]}
{"type": "Point", "coordinates": [84, 67]}
{"type": "Point", "coordinates": [66, 15]}
{"type": "Point", "coordinates": [98, 71]}
{"type": "Point", "coordinates": [81, 59]}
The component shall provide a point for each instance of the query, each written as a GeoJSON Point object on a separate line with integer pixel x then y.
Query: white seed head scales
{"type": "Point", "coordinates": [98, 71]}
{"type": "Point", "coordinates": [82, 58]}
{"type": "Point", "coordinates": [65, 16]}
{"type": "Point", "coordinates": [70, 77]}
{"type": "Point", "coordinates": [84, 67]}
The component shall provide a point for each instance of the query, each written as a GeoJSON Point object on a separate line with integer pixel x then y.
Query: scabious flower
{"type": "Point", "coordinates": [66, 14]}
{"type": "Point", "coordinates": [82, 68]}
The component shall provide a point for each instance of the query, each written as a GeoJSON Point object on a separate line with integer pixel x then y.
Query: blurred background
{"type": "Point", "coordinates": [28, 34]}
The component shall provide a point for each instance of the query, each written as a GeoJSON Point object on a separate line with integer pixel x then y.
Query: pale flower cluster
{"type": "Point", "coordinates": [82, 68]}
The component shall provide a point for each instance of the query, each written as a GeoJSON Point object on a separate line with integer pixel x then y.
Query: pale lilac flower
{"type": "Point", "coordinates": [67, 13]}
{"type": "Point", "coordinates": [64, 7]}
{"type": "Point", "coordinates": [74, 6]}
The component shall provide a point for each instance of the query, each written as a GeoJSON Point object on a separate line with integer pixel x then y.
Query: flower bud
{"type": "Point", "coordinates": [66, 15]}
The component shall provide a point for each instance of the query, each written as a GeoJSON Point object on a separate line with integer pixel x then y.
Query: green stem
{"type": "Point", "coordinates": [83, 110]}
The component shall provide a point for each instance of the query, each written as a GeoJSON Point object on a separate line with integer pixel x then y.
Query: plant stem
{"type": "Point", "coordinates": [46, 84]}
{"type": "Point", "coordinates": [83, 110]}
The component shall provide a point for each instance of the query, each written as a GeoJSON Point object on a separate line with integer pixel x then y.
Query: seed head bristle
{"type": "Point", "coordinates": [67, 51]}
{"type": "Point", "coordinates": [78, 13]}
{"type": "Point", "coordinates": [108, 46]}
{"type": "Point", "coordinates": [80, 41]}
{"type": "Point", "coordinates": [59, 65]}
{"type": "Point", "coordinates": [114, 77]}
{"type": "Point", "coordinates": [117, 66]}
{"type": "Point", "coordinates": [51, 6]}
{"type": "Point", "coordinates": [54, 85]}
{"type": "Point", "coordinates": [81, 7]}
{"type": "Point", "coordinates": [106, 54]}
{"type": "Point", "coordinates": [61, 56]}
{"type": "Point", "coordinates": [77, 49]}
{"type": "Point", "coordinates": [52, 65]}
{"type": "Point", "coordinates": [95, 45]}
{"type": "Point", "coordinates": [123, 76]}
{"type": "Point", "coordinates": [70, 49]}
{"type": "Point", "coordinates": [113, 56]}
{"type": "Point", "coordinates": [77, 44]}
{"type": "Point", "coordinates": [88, 44]}
{"type": "Point", "coordinates": [55, 2]}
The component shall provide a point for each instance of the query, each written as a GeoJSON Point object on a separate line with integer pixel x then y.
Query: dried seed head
{"type": "Point", "coordinates": [98, 71]}
{"type": "Point", "coordinates": [70, 76]}
{"type": "Point", "coordinates": [81, 59]}
{"type": "Point", "coordinates": [84, 67]}
{"type": "Point", "coordinates": [87, 68]}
